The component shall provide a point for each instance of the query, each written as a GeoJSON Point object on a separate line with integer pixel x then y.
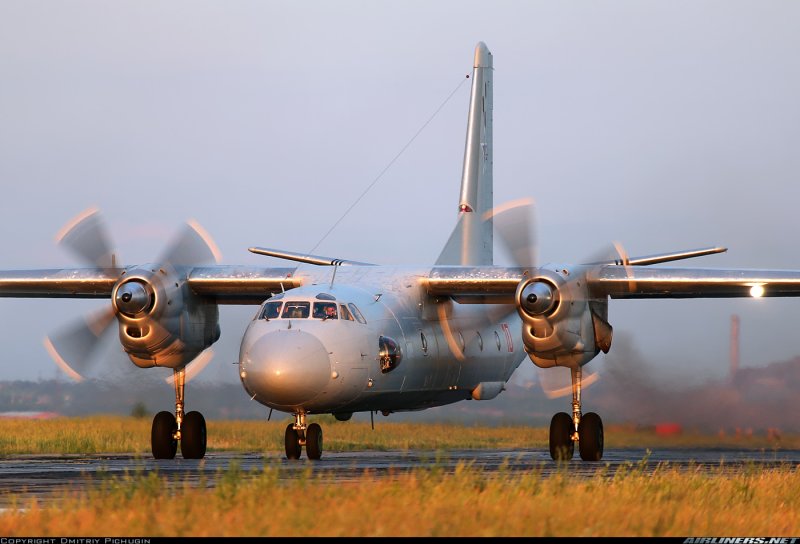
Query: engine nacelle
{"type": "Point", "coordinates": [561, 324]}
{"type": "Point", "coordinates": [161, 322]}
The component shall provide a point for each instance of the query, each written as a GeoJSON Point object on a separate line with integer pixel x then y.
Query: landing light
{"type": "Point", "coordinates": [757, 291]}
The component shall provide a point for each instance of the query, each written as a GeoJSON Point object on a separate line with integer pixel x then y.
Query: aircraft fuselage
{"type": "Point", "coordinates": [390, 346]}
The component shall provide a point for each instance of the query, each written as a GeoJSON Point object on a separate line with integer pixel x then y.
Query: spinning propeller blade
{"type": "Point", "coordinates": [194, 368]}
{"type": "Point", "coordinates": [74, 348]}
{"type": "Point", "coordinates": [514, 225]}
{"type": "Point", "coordinates": [86, 236]}
{"type": "Point", "coordinates": [192, 246]}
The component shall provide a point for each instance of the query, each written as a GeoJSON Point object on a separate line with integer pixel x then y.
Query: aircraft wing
{"type": "Point", "coordinates": [59, 283]}
{"type": "Point", "coordinates": [226, 284]}
{"type": "Point", "coordinates": [498, 284]}
{"type": "Point", "coordinates": [232, 284]}
{"type": "Point", "coordinates": [632, 282]}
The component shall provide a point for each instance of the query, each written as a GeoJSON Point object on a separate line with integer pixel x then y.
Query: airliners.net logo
{"type": "Point", "coordinates": [741, 540]}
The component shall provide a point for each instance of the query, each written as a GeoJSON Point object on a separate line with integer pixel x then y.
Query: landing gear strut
{"type": "Point", "coordinates": [586, 430]}
{"type": "Point", "coordinates": [168, 429]}
{"type": "Point", "coordinates": [298, 434]}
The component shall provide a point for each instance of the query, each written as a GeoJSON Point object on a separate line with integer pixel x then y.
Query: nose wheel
{"type": "Point", "coordinates": [169, 429]}
{"type": "Point", "coordinates": [299, 434]}
{"type": "Point", "coordinates": [586, 430]}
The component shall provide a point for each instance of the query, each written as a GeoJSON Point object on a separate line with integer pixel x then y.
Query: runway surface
{"type": "Point", "coordinates": [26, 476]}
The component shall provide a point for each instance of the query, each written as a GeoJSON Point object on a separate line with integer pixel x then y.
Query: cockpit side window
{"type": "Point", "coordinates": [356, 313]}
{"type": "Point", "coordinates": [271, 310]}
{"type": "Point", "coordinates": [295, 309]}
{"type": "Point", "coordinates": [325, 310]}
{"type": "Point", "coordinates": [345, 313]}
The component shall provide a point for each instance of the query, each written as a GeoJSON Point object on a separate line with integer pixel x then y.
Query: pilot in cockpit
{"type": "Point", "coordinates": [330, 311]}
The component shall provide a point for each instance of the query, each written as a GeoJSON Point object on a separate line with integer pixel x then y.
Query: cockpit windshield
{"type": "Point", "coordinates": [318, 309]}
{"type": "Point", "coordinates": [271, 310]}
{"type": "Point", "coordinates": [296, 309]}
{"type": "Point", "coordinates": [325, 310]}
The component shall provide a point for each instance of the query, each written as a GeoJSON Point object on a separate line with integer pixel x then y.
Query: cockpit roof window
{"type": "Point", "coordinates": [325, 296]}
{"type": "Point", "coordinates": [277, 297]}
{"type": "Point", "coordinates": [296, 309]}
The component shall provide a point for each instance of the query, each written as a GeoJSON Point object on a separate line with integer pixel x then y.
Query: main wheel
{"type": "Point", "coordinates": [193, 436]}
{"type": "Point", "coordinates": [292, 440]}
{"type": "Point", "coordinates": [162, 436]}
{"type": "Point", "coordinates": [561, 445]}
{"type": "Point", "coordinates": [314, 441]}
{"type": "Point", "coordinates": [590, 437]}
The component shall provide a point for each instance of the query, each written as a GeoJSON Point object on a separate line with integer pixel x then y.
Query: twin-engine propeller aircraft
{"type": "Point", "coordinates": [338, 336]}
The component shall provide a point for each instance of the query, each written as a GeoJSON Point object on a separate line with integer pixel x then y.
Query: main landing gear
{"type": "Point", "coordinates": [586, 430]}
{"type": "Point", "coordinates": [168, 429]}
{"type": "Point", "coordinates": [298, 434]}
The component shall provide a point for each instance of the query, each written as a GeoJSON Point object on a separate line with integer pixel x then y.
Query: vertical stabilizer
{"type": "Point", "coordinates": [471, 240]}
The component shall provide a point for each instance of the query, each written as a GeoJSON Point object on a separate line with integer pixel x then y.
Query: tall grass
{"type": "Point", "coordinates": [430, 502]}
{"type": "Point", "coordinates": [131, 435]}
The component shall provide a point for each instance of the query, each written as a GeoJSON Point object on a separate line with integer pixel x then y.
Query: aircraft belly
{"type": "Point", "coordinates": [404, 401]}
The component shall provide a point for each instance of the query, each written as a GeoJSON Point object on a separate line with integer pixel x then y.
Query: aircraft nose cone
{"type": "Point", "coordinates": [286, 367]}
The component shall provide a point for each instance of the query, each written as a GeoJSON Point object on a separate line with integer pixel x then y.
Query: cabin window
{"type": "Point", "coordinates": [461, 341]}
{"type": "Point", "coordinates": [497, 340]}
{"type": "Point", "coordinates": [356, 313]}
{"type": "Point", "coordinates": [424, 342]}
{"type": "Point", "coordinates": [480, 340]}
{"type": "Point", "coordinates": [325, 310]}
{"type": "Point", "coordinates": [271, 310]}
{"type": "Point", "coordinates": [345, 313]}
{"type": "Point", "coordinates": [389, 355]}
{"type": "Point", "coordinates": [296, 309]}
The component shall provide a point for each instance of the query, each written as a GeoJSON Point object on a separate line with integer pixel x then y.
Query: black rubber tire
{"type": "Point", "coordinates": [590, 437]}
{"type": "Point", "coordinates": [562, 448]}
{"type": "Point", "coordinates": [292, 441]}
{"type": "Point", "coordinates": [193, 436]}
{"type": "Point", "coordinates": [314, 442]}
{"type": "Point", "coordinates": [162, 434]}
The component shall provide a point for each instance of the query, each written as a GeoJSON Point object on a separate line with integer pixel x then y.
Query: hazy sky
{"type": "Point", "coordinates": [662, 125]}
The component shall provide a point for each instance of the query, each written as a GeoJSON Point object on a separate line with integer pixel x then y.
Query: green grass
{"type": "Point", "coordinates": [429, 502]}
{"type": "Point", "coordinates": [132, 435]}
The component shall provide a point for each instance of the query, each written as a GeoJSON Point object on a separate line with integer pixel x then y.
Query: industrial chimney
{"type": "Point", "coordinates": [734, 347]}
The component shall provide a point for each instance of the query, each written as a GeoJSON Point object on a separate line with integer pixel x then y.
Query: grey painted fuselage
{"type": "Point", "coordinates": [332, 365]}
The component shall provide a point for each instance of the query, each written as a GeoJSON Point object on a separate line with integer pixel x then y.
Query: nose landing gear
{"type": "Point", "coordinates": [298, 434]}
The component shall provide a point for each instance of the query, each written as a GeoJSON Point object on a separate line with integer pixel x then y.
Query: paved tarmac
{"type": "Point", "coordinates": [43, 476]}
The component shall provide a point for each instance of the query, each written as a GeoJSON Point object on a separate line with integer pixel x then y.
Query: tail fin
{"type": "Point", "coordinates": [471, 240]}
